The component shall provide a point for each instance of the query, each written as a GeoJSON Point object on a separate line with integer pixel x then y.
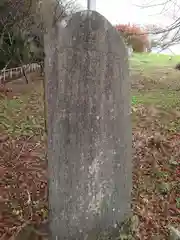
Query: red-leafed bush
{"type": "Point", "coordinates": [134, 36]}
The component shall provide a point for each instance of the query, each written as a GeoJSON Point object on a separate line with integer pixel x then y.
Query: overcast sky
{"type": "Point", "coordinates": [127, 11]}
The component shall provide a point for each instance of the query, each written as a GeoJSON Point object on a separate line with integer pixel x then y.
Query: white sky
{"type": "Point", "coordinates": [127, 11]}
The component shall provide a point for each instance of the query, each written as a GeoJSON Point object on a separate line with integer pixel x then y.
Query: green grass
{"type": "Point", "coordinates": [23, 115]}
{"type": "Point", "coordinates": [156, 113]}
{"type": "Point", "coordinates": [166, 99]}
{"type": "Point", "coordinates": [150, 60]}
{"type": "Point", "coordinates": [157, 86]}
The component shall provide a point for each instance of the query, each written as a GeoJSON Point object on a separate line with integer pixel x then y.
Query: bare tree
{"type": "Point", "coordinates": [168, 35]}
{"type": "Point", "coordinates": [21, 19]}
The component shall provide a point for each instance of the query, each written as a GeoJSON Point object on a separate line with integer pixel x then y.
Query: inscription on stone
{"type": "Point", "coordinates": [89, 130]}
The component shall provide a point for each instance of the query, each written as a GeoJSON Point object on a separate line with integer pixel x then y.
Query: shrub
{"type": "Point", "coordinates": [134, 36]}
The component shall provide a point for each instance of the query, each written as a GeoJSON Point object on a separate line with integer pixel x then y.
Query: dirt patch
{"type": "Point", "coordinates": [156, 78]}
{"type": "Point", "coordinates": [19, 86]}
{"type": "Point", "coordinates": [156, 179]}
{"type": "Point", "coordinates": [23, 167]}
{"type": "Point", "coordinates": [23, 185]}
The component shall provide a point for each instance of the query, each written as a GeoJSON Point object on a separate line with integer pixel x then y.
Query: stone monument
{"type": "Point", "coordinates": [89, 126]}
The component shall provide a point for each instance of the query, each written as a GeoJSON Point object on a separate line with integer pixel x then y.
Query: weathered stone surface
{"type": "Point", "coordinates": [89, 129]}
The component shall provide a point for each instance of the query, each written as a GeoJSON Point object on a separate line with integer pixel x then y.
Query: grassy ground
{"type": "Point", "coordinates": [156, 132]}
{"type": "Point", "coordinates": [150, 60]}
{"type": "Point", "coordinates": [156, 159]}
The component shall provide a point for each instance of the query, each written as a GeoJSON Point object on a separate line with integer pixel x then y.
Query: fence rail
{"type": "Point", "coordinates": [8, 75]}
